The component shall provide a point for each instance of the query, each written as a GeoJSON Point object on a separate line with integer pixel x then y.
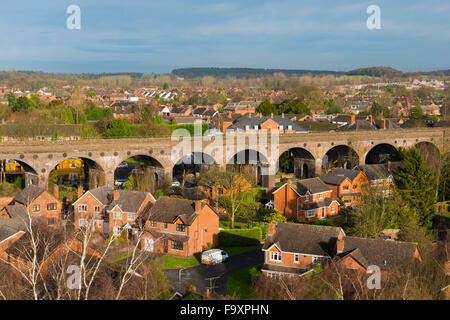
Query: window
{"type": "Point", "coordinates": [131, 216]}
{"type": "Point", "coordinates": [296, 258]}
{"type": "Point", "coordinates": [275, 256]}
{"type": "Point", "coordinates": [181, 228]}
{"type": "Point", "coordinates": [289, 127]}
{"type": "Point", "coordinates": [117, 216]}
{"type": "Point", "coordinates": [306, 198]}
{"type": "Point", "coordinates": [82, 223]}
{"type": "Point", "coordinates": [345, 187]}
{"type": "Point", "coordinates": [97, 208]}
{"type": "Point", "coordinates": [177, 245]}
{"type": "Point", "coordinates": [165, 225]}
{"type": "Point", "coordinates": [116, 231]}
{"type": "Point", "coordinates": [153, 224]}
{"type": "Point", "coordinates": [82, 208]}
{"type": "Point", "coordinates": [332, 209]}
{"type": "Point", "coordinates": [315, 260]}
{"type": "Point", "coordinates": [51, 206]}
{"type": "Point", "coordinates": [355, 186]}
{"type": "Point", "coordinates": [73, 165]}
{"type": "Point", "coordinates": [310, 213]}
{"type": "Point", "coordinates": [36, 208]}
{"type": "Point", "coordinates": [51, 221]}
{"type": "Point", "coordinates": [281, 128]}
{"type": "Point", "coordinates": [320, 196]}
{"type": "Point", "coordinates": [390, 180]}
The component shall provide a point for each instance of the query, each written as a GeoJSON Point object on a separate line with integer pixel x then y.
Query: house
{"type": "Point", "coordinates": [111, 210]}
{"type": "Point", "coordinates": [257, 123]}
{"type": "Point", "coordinates": [359, 253]}
{"type": "Point", "coordinates": [292, 248]}
{"type": "Point", "coordinates": [39, 203]}
{"type": "Point", "coordinates": [243, 107]}
{"type": "Point", "coordinates": [380, 176]}
{"type": "Point", "coordinates": [179, 227]}
{"type": "Point", "coordinates": [346, 184]}
{"type": "Point", "coordinates": [222, 121]}
{"type": "Point", "coordinates": [125, 110]}
{"type": "Point", "coordinates": [307, 198]}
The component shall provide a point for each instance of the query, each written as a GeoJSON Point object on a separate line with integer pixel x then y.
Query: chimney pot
{"type": "Point", "coordinates": [116, 194]}
{"type": "Point", "coordinates": [56, 190]}
{"type": "Point", "coordinates": [80, 191]}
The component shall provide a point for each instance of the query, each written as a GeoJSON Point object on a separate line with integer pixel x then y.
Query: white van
{"type": "Point", "coordinates": [214, 256]}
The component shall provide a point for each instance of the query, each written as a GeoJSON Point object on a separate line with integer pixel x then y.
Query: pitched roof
{"type": "Point", "coordinates": [337, 176]}
{"type": "Point", "coordinates": [357, 126]}
{"type": "Point", "coordinates": [317, 204]}
{"type": "Point", "coordinates": [103, 194]}
{"type": "Point", "coordinates": [257, 121]}
{"type": "Point", "coordinates": [375, 171]}
{"type": "Point", "coordinates": [169, 209]}
{"type": "Point", "coordinates": [313, 185]}
{"type": "Point", "coordinates": [304, 238]}
{"type": "Point", "coordinates": [382, 253]}
{"type": "Point", "coordinates": [129, 201]}
{"type": "Point", "coordinates": [17, 212]}
{"type": "Point", "coordinates": [27, 195]}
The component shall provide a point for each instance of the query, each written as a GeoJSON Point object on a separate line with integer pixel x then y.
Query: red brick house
{"type": "Point", "coordinates": [39, 203]}
{"type": "Point", "coordinates": [346, 185]}
{"type": "Point", "coordinates": [293, 249]}
{"type": "Point", "coordinates": [308, 198]}
{"type": "Point", "coordinates": [111, 210]}
{"type": "Point", "coordinates": [179, 227]}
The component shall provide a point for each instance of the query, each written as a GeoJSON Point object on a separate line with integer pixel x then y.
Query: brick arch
{"type": "Point", "coordinates": [303, 165]}
{"type": "Point", "coordinates": [98, 164]}
{"type": "Point", "coordinates": [251, 154]}
{"type": "Point", "coordinates": [430, 152]}
{"type": "Point", "coordinates": [341, 145]}
{"type": "Point", "coordinates": [366, 153]}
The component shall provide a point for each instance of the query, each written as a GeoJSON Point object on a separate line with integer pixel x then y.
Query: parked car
{"type": "Point", "coordinates": [120, 182]}
{"type": "Point", "coordinates": [123, 164]}
{"type": "Point", "coordinates": [176, 183]}
{"type": "Point", "coordinates": [214, 256]}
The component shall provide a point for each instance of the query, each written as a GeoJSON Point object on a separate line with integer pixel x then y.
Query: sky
{"type": "Point", "coordinates": [151, 36]}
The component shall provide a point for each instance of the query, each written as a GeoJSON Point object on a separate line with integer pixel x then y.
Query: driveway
{"type": "Point", "coordinates": [204, 276]}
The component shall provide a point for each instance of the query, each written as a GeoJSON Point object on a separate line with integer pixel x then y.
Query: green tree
{"type": "Point", "coordinates": [118, 128]}
{"type": "Point", "coordinates": [266, 108]}
{"type": "Point", "coordinates": [416, 112]}
{"type": "Point", "coordinates": [165, 86]}
{"type": "Point", "coordinates": [91, 94]}
{"type": "Point", "coordinates": [11, 99]}
{"type": "Point", "coordinates": [417, 184]}
{"type": "Point", "coordinates": [23, 104]}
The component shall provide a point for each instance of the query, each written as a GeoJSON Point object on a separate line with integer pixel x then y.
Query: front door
{"type": "Point", "coordinates": [324, 213]}
{"type": "Point", "coordinates": [166, 246]}
{"type": "Point", "coordinates": [149, 244]}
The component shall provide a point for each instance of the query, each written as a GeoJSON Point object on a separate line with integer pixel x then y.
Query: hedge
{"type": "Point", "coordinates": [240, 237]}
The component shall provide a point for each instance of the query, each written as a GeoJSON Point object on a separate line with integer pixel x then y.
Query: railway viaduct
{"type": "Point", "coordinates": [104, 155]}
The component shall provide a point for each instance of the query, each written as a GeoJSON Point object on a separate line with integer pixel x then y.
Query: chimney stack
{"type": "Point", "coordinates": [250, 115]}
{"type": "Point", "coordinates": [388, 165]}
{"type": "Point", "coordinates": [198, 205]}
{"type": "Point", "coordinates": [383, 124]}
{"type": "Point", "coordinates": [282, 115]}
{"type": "Point", "coordinates": [271, 229]}
{"type": "Point", "coordinates": [116, 194]}
{"type": "Point", "coordinates": [56, 190]}
{"type": "Point", "coordinates": [80, 191]}
{"type": "Point", "coordinates": [271, 115]}
{"type": "Point", "coordinates": [352, 119]}
{"type": "Point", "coordinates": [370, 119]}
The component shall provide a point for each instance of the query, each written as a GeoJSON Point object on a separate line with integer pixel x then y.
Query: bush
{"type": "Point", "coordinates": [240, 237]}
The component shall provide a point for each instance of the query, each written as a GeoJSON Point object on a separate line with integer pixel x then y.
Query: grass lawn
{"type": "Point", "coordinates": [172, 262]}
{"type": "Point", "coordinates": [240, 283]}
{"type": "Point", "coordinates": [237, 250]}
{"type": "Point", "coordinates": [121, 257]}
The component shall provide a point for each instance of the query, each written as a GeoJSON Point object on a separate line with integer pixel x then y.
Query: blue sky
{"type": "Point", "coordinates": [157, 36]}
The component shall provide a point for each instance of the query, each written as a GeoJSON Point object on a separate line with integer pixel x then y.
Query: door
{"type": "Point", "coordinates": [166, 246]}
{"type": "Point", "coordinates": [148, 244]}
{"type": "Point", "coordinates": [324, 213]}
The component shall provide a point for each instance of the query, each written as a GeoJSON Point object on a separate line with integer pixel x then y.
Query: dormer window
{"type": "Point", "coordinates": [320, 196]}
{"type": "Point", "coordinates": [181, 228]}
{"type": "Point", "coordinates": [281, 128]}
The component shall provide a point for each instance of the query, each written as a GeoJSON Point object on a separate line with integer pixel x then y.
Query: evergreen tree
{"type": "Point", "coordinates": [266, 108]}
{"type": "Point", "coordinates": [417, 184]}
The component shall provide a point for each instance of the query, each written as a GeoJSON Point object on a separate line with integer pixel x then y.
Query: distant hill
{"type": "Point", "coordinates": [188, 73]}
{"type": "Point", "coordinates": [376, 72]}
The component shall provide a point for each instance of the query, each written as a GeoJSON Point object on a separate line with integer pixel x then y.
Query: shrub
{"type": "Point", "coordinates": [240, 237]}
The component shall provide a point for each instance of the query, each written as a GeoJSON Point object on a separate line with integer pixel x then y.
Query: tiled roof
{"type": "Point", "coordinates": [313, 185]}
{"type": "Point", "coordinates": [382, 253]}
{"type": "Point", "coordinates": [304, 238]}
{"type": "Point", "coordinates": [169, 209]}
{"type": "Point", "coordinates": [257, 121]}
{"type": "Point", "coordinates": [27, 195]}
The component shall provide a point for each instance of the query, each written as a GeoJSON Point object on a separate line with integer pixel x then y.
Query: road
{"type": "Point", "coordinates": [198, 275]}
